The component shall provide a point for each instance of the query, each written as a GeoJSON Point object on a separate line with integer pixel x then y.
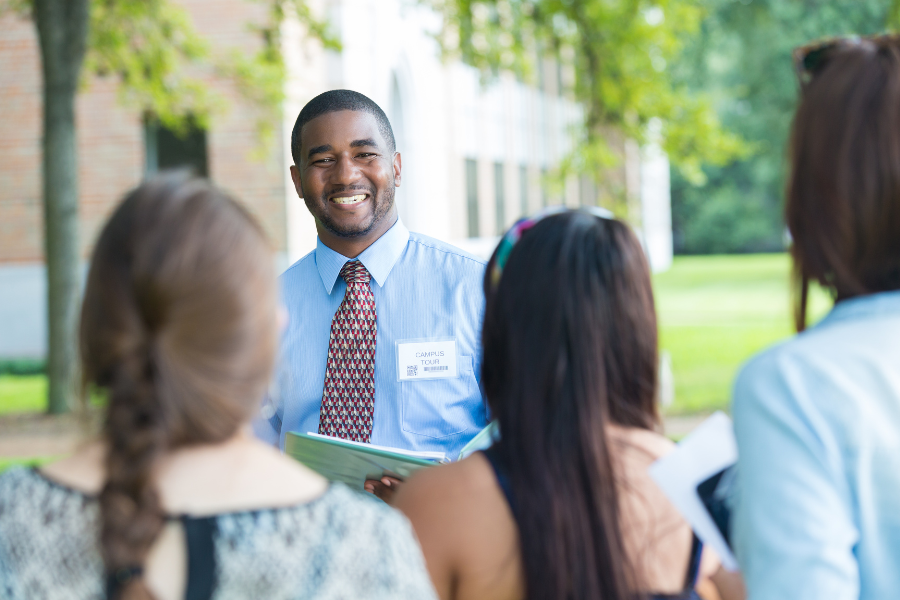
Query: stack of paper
{"type": "Point", "coordinates": [354, 462]}
{"type": "Point", "coordinates": [697, 478]}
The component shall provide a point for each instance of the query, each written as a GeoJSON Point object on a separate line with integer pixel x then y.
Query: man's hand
{"type": "Point", "coordinates": [384, 488]}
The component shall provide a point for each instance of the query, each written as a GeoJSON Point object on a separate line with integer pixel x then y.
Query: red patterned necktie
{"type": "Point", "coordinates": [348, 400]}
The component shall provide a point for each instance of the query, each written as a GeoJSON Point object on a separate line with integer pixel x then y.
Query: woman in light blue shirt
{"type": "Point", "coordinates": [818, 418]}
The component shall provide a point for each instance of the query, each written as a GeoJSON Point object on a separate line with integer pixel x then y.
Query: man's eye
{"type": "Point", "coordinates": [366, 154]}
{"type": "Point", "coordinates": [324, 160]}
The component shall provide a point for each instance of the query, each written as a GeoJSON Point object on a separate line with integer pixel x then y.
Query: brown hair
{"type": "Point", "coordinates": [179, 329]}
{"type": "Point", "coordinates": [570, 346]}
{"type": "Point", "coordinates": [843, 193]}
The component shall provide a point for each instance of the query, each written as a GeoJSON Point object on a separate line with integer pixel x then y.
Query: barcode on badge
{"type": "Point", "coordinates": [435, 368]}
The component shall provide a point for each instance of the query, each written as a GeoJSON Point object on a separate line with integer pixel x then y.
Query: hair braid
{"type": "Point", "coordinates": [179, 329]}
{"type": "Point", "coordinates": [132, 517]}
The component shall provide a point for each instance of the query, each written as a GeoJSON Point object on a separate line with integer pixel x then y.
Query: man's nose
{"type": "Point", "coordinates": [345, 171]}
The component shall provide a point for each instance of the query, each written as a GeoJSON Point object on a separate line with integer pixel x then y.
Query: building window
{"type": "Point", "coordinates": [499, 197]}
{"type": "Point", "coordinates": [166, 149]}
{"type": "Point", "coordinates": [523, 190]}
{"type": "Point", "coordinates": [472, 196]}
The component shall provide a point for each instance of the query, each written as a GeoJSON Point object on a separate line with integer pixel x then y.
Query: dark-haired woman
{"type": "Point", "coordinates": [817, 418]}
{"type": "Point", "coordinates": [561, 508]}
{"type": "Point", "coordinates": [177, 500]}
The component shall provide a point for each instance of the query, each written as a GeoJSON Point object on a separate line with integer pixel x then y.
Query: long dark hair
{"type": "Point", "coordinates": [843, 194]}
{"type": "Point", "coordinates": [570, 346]}
{"type": "Point", "coordinates": [179, 329]}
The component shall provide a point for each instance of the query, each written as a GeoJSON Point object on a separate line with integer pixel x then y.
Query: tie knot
{"type": "Point", "coordinates": [354, 272]}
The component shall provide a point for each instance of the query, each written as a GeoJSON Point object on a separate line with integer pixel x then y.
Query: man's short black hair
{"type": "Point", "coordinates": [333, 101]}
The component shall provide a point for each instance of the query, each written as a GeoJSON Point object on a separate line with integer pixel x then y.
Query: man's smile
{"type": "Point", "coordinates": [348, 200]}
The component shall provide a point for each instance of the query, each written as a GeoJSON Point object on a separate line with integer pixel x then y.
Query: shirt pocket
{"type": "Point", "coordinates": [439, 408]}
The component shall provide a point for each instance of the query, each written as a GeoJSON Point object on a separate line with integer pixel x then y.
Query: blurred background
{"type": "Point", "coordinates": [675, 114]}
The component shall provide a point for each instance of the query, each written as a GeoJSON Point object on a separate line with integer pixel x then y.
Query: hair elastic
{"type": "Point", "coordinates": [122, 577]}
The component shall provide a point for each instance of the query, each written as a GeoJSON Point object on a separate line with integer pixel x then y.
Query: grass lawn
{"type": "Point", "coordinates": [715, 312]}
{"type": "Point", "coordinates": [6, 463]}
{"type": "Point", "coordinates": [22, 393]}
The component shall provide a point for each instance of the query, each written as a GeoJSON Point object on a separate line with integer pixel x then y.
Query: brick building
{"type": "Point", "coordinates": [473, 157]}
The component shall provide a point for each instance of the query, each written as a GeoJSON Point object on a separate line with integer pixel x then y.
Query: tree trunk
{"type": "Point", "coordinates": [62, 31]}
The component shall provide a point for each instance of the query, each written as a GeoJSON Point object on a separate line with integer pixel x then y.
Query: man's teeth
{"type": "Point", "coordinates": [349, 199]}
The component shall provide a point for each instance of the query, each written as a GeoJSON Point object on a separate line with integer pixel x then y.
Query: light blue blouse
{"type": "Point", "coordinates": [423, 289]}
{"type": "Point", "coordinates": [817, 420]}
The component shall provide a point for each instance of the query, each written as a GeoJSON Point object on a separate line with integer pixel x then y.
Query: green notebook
{"type": "Point", "coordinates": [353, 463]}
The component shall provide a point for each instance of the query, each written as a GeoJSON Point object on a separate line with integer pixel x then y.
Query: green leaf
{"type": "Point", "coordinates": [165, 67]}
{"type": "Point", "coordinates": [615, 57]}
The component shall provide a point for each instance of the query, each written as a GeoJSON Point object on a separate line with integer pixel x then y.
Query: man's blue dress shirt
{"type": "Point", "coordinates": [423, 288]}
{"type": "Point", "coordinates": [817, 420]}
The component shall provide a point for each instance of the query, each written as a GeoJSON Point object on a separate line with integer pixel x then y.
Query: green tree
{"type": "Point", "coordinates": [62, 31]}
{"type": "Point", "coordinates": [741, 58]}
{"type": "Point", "coordinates": [619, 51]}
{"type": "Point", "coordinates": [151, 46]}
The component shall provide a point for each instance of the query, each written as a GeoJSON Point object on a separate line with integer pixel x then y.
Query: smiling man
{"type": "Point", "coordinates": [382, 344]}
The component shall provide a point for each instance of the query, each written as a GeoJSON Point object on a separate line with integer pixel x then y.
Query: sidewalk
{"type": "Point", "coordinates": [34, 435]}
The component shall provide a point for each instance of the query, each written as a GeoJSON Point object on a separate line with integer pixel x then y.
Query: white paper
{"type": "Point", "coordinates": [710, 448]}
{"type": "Point", "coordinates": [426, 454]}
{"type": "Point", "coordinates": [426, 359]}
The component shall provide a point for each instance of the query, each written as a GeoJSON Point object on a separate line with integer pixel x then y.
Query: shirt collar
{"type": "Point", "coordinates": [378, 259]}
{"type": "Point", "coordinates": [864, 306]}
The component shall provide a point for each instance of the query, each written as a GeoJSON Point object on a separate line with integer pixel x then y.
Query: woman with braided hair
{"type": "Point", "coordinates": [176, 499]}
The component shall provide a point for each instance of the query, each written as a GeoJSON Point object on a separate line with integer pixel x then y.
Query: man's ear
{"type": "Point", "coordinates": [398, 163]}
{"type": "Point", "coordinates": [295, 177]}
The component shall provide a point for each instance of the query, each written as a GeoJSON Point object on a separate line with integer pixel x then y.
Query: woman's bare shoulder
{"type": "Point", "coordinates": [465, 528]}
{"type": "Point", "coordinates": [82, 471]}
{"type": "Point", "coordinates": [447, 487]}
{"type": "Point", "coordinates": [240, 474]}
{"type": "Point", "coordinates": [455, 501]}
{"type": "Point", "coordinates": [641, 442]}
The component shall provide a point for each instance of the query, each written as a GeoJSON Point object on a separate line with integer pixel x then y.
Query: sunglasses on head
{"type": "Point", "coordinates": [809, 60]}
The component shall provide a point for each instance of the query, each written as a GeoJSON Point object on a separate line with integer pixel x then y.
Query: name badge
{"type": "Point", "coordinates": [429, 358]}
